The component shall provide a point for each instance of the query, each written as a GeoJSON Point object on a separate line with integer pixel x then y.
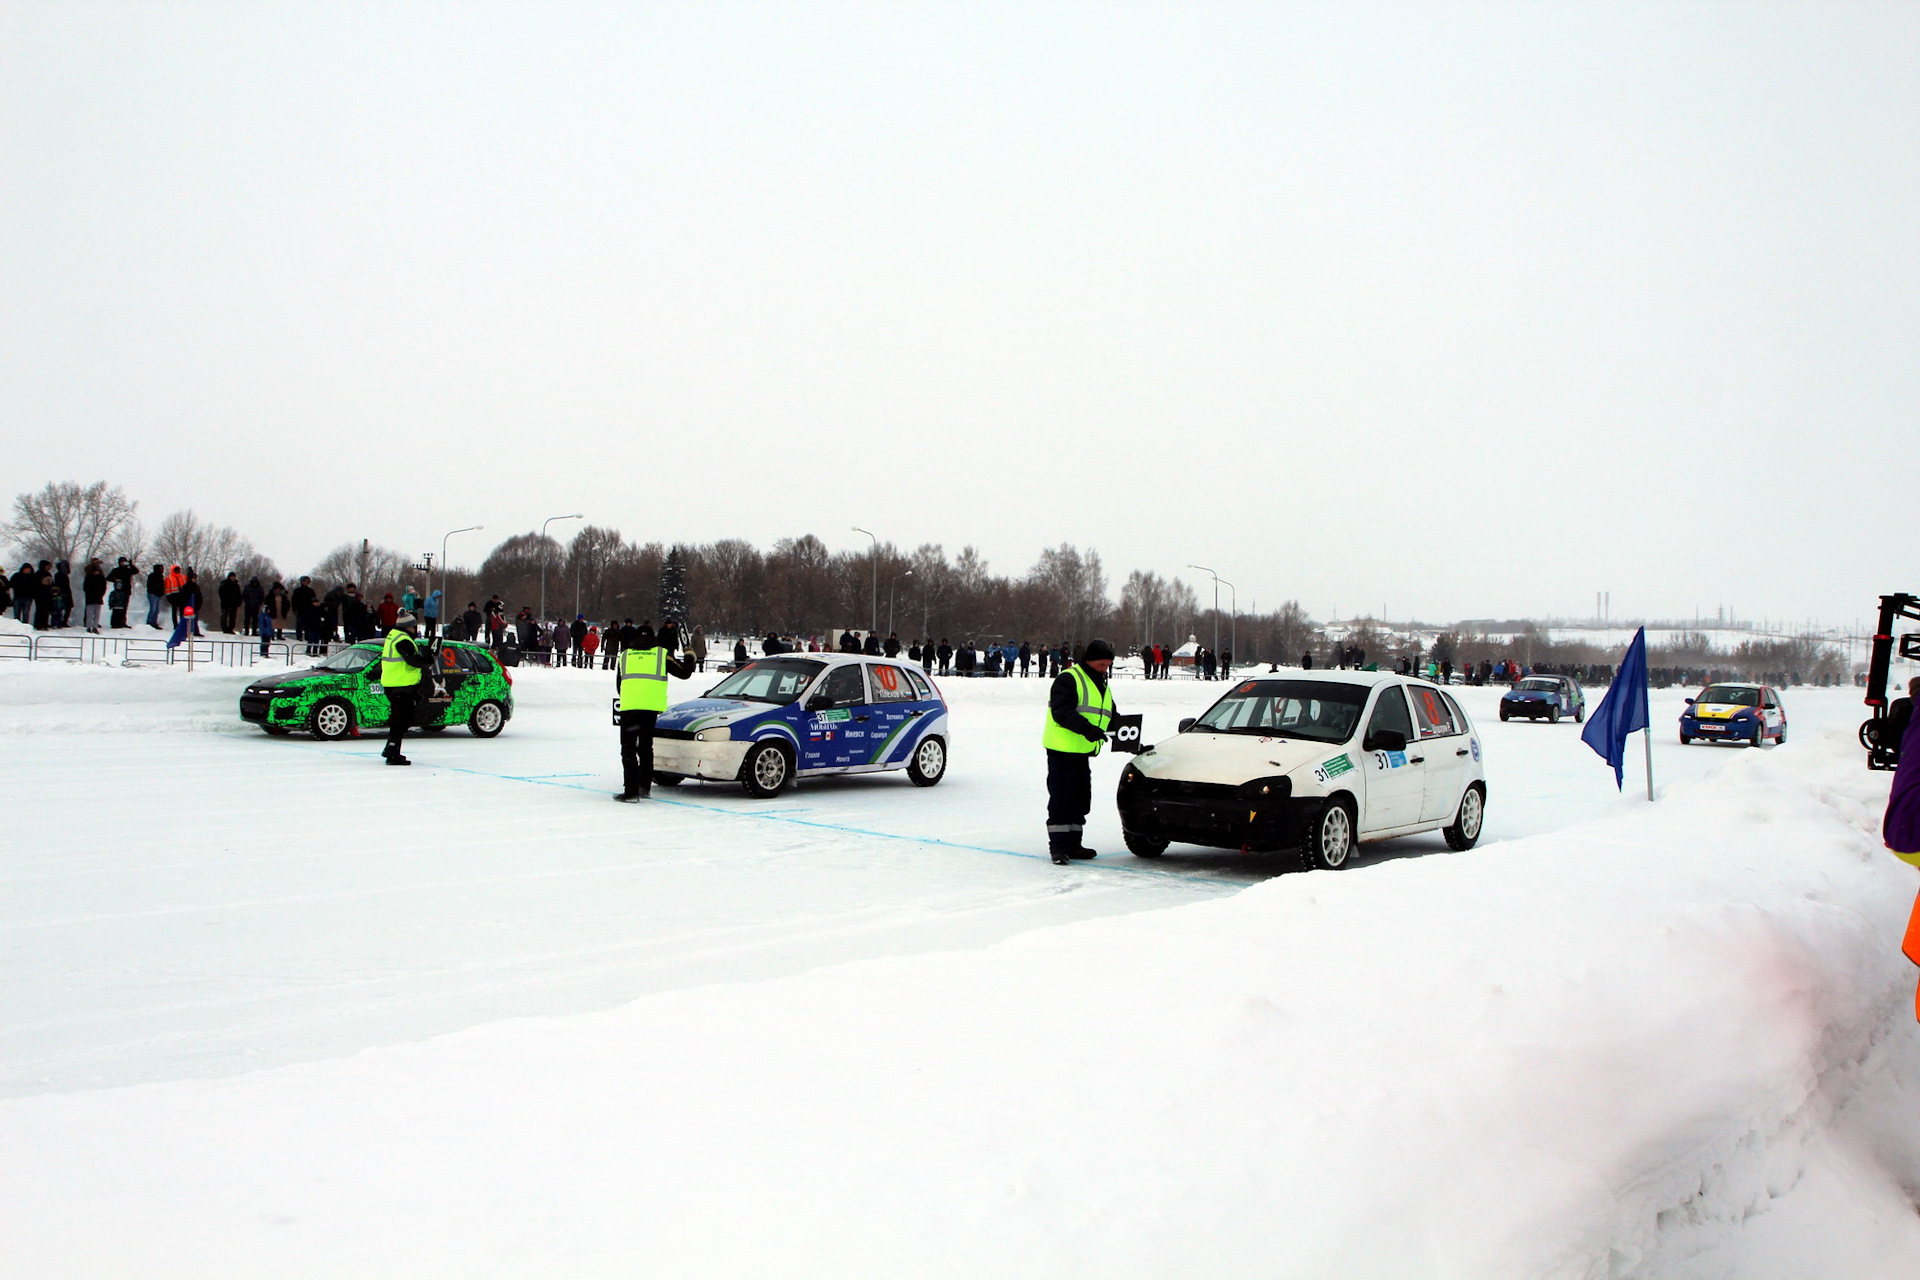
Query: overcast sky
{"type": "Point", "coordinates": [1446, 310]}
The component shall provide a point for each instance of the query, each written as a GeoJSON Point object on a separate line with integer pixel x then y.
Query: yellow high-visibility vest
{"type": "Point", "coordinates": [395, 671]}
{"type": "Point", "coordinates": [1096, 704]}
{"type": "Point", "coordinates": [643, 679]}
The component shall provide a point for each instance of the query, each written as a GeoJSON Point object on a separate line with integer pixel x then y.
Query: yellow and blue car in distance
{"type": "Point", "coordinates": [1732, 711]}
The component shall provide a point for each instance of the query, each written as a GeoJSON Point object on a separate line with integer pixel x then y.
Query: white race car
{"type": "Point", "coordinates": [1313, 761]}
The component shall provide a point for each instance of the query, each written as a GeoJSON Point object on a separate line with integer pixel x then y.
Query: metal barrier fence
{"type": "Point", "coordinates": [136, 651]}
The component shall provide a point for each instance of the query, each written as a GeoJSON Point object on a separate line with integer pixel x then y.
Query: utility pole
{"type": "Point", "coordinates": [873, 621]}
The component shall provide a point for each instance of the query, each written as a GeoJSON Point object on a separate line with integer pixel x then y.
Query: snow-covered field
{"type": "Point", "coordinates": [269, 1008]}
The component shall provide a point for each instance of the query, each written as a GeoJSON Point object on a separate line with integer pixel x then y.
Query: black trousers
{"type": "Point", "coordinates": [404, 701]}
{"type": "Point", "coordinates": [1069, 798]}
{"type": "Point", "coordinates": [636, 751]}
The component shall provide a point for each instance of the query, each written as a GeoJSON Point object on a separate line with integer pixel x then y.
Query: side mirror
{"type": "Point", "coordinates": [1385, 740]}
{"type": "Point", "coordinates": [1689, 701]}
{"type": "Point", "coordinates": [1187, 723]}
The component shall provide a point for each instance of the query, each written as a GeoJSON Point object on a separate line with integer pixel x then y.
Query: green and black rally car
{"type": "Point", "coordinates": [342, 693]}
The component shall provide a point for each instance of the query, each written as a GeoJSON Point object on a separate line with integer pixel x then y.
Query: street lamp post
{"type": "Point", "coordinates": [543, 561]}
{"type": "Point", "coordinates": [1216, 605]}
{"type": "Point", "coordinates": [908, 573]}
{"type": "Point", "coordinates": [445, 604]}
{"type": "Point", "coordinates": [873, 621]}
{"type": "Point", "coordinates": [1233, 617]}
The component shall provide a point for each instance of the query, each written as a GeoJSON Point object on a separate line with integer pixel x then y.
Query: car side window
{"type": "Point", "coordinates": [1434, 719]}
{"type": "Point", "coordinates": [890, 683]}
{"type": "Point", "coordinates": [920, 685]}
{"type": "Point", "coordinates": [1390, 713]}
{"type": "Point", "coordinates": [843, 688]}
{"type": "Point", "coordinates": [1454, 707]}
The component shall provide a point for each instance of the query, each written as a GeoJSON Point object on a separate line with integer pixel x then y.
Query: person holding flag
{"type": "Point", "coordinates": [1623, 711]}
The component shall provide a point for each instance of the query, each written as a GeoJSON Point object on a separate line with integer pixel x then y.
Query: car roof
{"type": "Point", "coordinates": [1364, 678]}
{"type": "Point", "coordinates": [1732, 684]}
{"type": "Point", "coordinates": [838, 659]}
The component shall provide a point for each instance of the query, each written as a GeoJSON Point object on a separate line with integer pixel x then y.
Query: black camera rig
{"type": "Point", "coordinates": [1882, 752]}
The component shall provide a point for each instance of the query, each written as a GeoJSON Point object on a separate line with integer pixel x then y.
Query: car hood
{"type": "Point", "coordinates": [1230, 758]}
{"type": "Point", "coordinates": [1719, 710]}
{"type": "Point", "coordinates": [710, 713]}
{"type": "Point", "coordinates": [291, 678]}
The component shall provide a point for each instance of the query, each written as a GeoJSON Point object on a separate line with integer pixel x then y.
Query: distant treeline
{"type": "Point", "coordinates": [799, 587]}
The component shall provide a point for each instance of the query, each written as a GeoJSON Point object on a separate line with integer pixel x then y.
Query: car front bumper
{"type": "Point", "coordinates": [712, 761]}
{"type": "Point", "coordinates": [1735, 729]}
{"type": "Point", "coordinates": [1212, 814]}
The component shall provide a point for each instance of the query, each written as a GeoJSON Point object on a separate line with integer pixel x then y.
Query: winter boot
{"type": "Point", "coordinates": [397, 758]}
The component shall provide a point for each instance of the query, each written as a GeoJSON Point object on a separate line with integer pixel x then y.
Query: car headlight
{"type": "Point", "coordinates": [713, 735]}
{"type": "Point", "coordinates": [1278, 787]}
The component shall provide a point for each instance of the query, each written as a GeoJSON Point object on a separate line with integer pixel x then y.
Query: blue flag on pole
{"type": "Point", "coordinates": [1622, 711]}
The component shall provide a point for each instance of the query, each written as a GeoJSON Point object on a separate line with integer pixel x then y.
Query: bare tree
{"type": "Point", "coordinates": [190, 542]}
{"type": "Point", "coordinates": [68, 521]}
{"type": "Point", "coordinates": [373, 569]}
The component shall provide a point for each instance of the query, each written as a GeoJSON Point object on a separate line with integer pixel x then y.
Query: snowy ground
{"type": "Point", "coordinates": [275, 1009]}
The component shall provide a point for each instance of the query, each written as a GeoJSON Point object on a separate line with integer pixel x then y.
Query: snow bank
{"type": "Point", "coordinates": [36, 697]}
{"type": "Point", "coordinates": [1596, 1052]}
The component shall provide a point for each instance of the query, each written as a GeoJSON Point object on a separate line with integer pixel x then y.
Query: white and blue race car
{"type": "Point", "coordinates": [804, 716]}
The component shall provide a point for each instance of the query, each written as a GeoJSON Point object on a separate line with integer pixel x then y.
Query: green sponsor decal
{"type": "Point", "coordinates": [1338, 765]}
{"type": "Point", "coordinates": [840, 713]}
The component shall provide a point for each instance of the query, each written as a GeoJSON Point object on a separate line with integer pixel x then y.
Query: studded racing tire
{"type": "Point", "coordinates": [1142, 845]}
{"type": "Point", "coordinates": [1464, 831]}
{"type": "Point", "coordinates": [1580, 714]}
{"type": "Point", "coordinates": [1553, 715]}
{"type": "Point", "coordinates": [767, 770]}
{"type": "Point", "coordinates": [1327, 839]}
{"type": "Point", "coordinates": [929, 763]}
{"type": "Point", "coordinates": [487, 720]}
{"type": "Point", "coordinates": [332, 720]}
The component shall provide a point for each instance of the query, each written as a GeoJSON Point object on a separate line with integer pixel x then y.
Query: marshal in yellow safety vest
{"type": "Point", "coordinates": [395, 671]}
{"type": "Point", "coordinates": [1096, 705]}
{"type": "Point", "coordinates": [643, 679]}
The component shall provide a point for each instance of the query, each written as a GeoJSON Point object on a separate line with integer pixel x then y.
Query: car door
{"type": "Point", "coordinates": [1394, 786]}
{"type": "Point", "coordinates": [1773, 712]}
{"type": "Point", "coordinates": [837, 720]}
{"type": "Point", "coordinates": [1442, 751]}
{"type": "Point", "coordinates": [895, 706]}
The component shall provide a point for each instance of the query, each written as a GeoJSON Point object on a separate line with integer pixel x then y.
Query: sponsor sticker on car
{"type": "Point", "coordinates": [1334, 768]}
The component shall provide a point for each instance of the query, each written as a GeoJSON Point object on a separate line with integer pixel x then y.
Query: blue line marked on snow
{"type": "Point", "coordinates": [786, 815]}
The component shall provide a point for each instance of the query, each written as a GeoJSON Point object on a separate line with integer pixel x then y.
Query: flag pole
{"type": "Point", "coordinates": [1646, 714]}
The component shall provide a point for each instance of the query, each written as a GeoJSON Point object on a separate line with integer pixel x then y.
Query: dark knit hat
{"type": "Point", "coordinates": [1097, 651]}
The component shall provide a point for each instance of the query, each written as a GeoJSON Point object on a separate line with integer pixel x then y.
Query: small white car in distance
{"type": "Point", "coordinates": [1316, 762]}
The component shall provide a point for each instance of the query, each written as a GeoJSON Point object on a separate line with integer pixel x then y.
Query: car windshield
{"type": "Point", "coordinates": [777, 680]}
{"type": "Point", "coordinates": [1310, 709]}
{"type": "Point", "coordinates": [1544, 686]}
{"type": "Point", "coordinates": [351, 659]}
{"type": "Point", "coordinates": [1727, 694]}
